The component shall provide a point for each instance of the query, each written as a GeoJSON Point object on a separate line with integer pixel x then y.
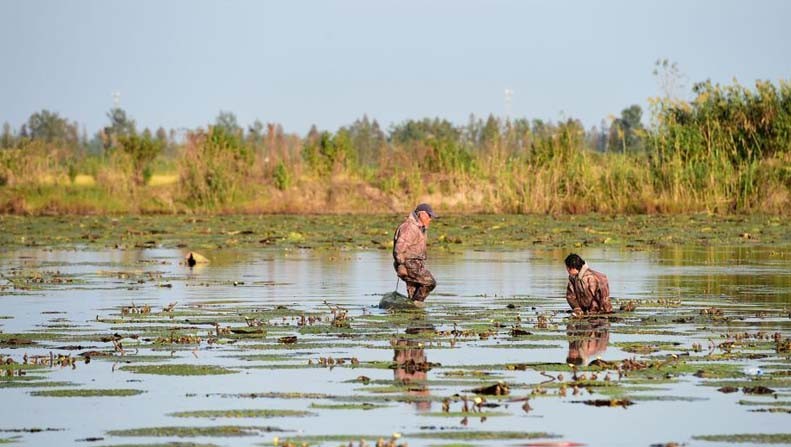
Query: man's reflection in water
{"type": "Point", "coordinates": [588, 338]}
{"type": "Point", "coordinates": [411, 368]}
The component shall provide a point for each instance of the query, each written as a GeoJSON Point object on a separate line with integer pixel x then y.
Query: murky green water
{"type": "Point", "coordinates": [705, 318]}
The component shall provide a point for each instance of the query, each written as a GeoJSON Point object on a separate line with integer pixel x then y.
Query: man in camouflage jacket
{"type": "Point", "coordinates": [409, 253]}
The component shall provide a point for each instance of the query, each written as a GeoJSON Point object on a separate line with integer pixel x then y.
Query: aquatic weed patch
{"type": "Point", "coordinates": [480, 435]}
{"type": "Point", "coordinates": [243, 413]}
{"type": "Point", "coordinates": [178, 370]}
{"type": "Point", "coordinates": [270, 395]}
{"type": "Point", "coordinates": [461, 414]}
{"type": "Point", "coordinates": [414, 364]}
{"type": "Point", "coordinates": [452, 233]}
{"type": "Point", "coordinates": [748, 438]}
{"type": "Point", "coordinates": [773, 402]}
{"type": "Point", "coordinates": [193, 432]}
{"type": "Point", "coordinates": [86, 393]}
{"type": "Point", "coordinates": [164, 444]}
{"type": "Point", "coordinates": [323, 439]}
{"type": "Point", "coordinates": [33, 384]}
{"type": "Point", "coordinates": [347, 406]}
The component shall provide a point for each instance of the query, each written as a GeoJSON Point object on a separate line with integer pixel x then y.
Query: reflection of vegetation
{"type": "Point", "coordinates": [710, 280]}
{"type": "Point", "coordinates": [726, 150]}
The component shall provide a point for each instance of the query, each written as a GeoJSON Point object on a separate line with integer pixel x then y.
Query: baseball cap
{"type": "Point", "coordinates": [427, 208]}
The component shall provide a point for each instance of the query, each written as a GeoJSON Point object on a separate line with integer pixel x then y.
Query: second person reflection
{"type": "Point", "coordinates": [587, 339]}
{"type": "Point", "coordinates": [411, 368]}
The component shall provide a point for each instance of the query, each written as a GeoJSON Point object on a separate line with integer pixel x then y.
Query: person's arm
{"type": "Point", "coordinates": [571, 297]}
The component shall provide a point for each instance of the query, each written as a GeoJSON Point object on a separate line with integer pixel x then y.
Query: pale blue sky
{"type": "Point", "coordinates": [178, 63]}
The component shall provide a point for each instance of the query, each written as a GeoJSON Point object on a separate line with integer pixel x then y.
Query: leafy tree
{"type": "Point", "coordinates": [7, 139]}
{"type": "Point", "coordinates": [490, 134]}
{"type": "Point", "coordinates": [367, 139]}
{"type": "Point", "coordinates": [411, 131]}
{"type": "Point", "coordinates": [215, 166]}
{"type": "Point", "coordinates": [120, 123]}
{"type": "Point", "coordinates": [329, 152]}
{"type": "Point", "coordinates": [142, 149]}
{"type": "Point", "coordinates": [310, 147]}
{"type": "Point", "coordinates": [228, 123]}
{"type": "Point", "coordinates": [626, 131]}
{"type": "Point", "coordinates": [120, 126]}
{"type": "Point", "coordinates": [255, 132]}
{"type": "Point", "coordinates": [51, 127]}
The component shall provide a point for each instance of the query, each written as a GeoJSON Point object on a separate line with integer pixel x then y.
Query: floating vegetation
{"type": "Point", "coordinates": [448, 367]}
{"type": "Point", "coordinates": [772, 410]}
{"type": "Point", "coordinates": [497, 389]}
{"type": "Point", "coordinates": [647, 347]}
{"type": "Point", "coordinates": [335, 231]}
{"type": "Point", "coordinates": [193, 432]}
{"type": "Point", "coordinates": [87, 393]}
{"type": "Point", "coordinates": [480, 435]}
{"type": "Point", "coordinates": [608, 402]}
{"type": "Point", "coordinates": [32, 384]}
{"type": "Point", "coordinates": [178, 370]}
{"type": "Point", "coordinates": [372, 440]}
{"type": "Point", "coordinates": [133, 309]}
{"type": "Point", "coordinates": [178, 340]}
{"type": "Point", "coordinates": [773, 402]}
{"type": "Point", "coordinates": [461, 414]}
{"type": "Point", "coordinates": [272, 395]}
{"type": "Point", "coordinates": [165, 444]}
{"type": "Point", "coordinates": [752, 438]}
{"type": "Point", "coordinates": [758, 389]}
{"type": "Point", "coordinates": [248, 413]}
{"type": "Point", "coordinates": [665, 398]}
{"type": "Point", "coordinates": [347, 406]}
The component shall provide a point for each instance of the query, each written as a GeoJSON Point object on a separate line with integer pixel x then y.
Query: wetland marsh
{"type": "Point", "coordinates": [107, 339]}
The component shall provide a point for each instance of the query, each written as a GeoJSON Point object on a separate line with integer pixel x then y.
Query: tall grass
{"type": "Point", "coordinates": [727, 150]}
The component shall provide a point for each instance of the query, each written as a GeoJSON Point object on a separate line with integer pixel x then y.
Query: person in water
{"type": "Point", "coordinates": [588, 291]}
{"type": "Point", "coordinates": [409, 253]}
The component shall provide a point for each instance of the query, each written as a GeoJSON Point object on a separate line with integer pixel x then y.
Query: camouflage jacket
{"type": "Point", "coordinates": [409, 241]}
{"type": "Point", "coordinates": [589, 290]}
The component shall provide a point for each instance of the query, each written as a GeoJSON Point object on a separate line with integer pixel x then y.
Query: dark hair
{"type": "Point", "coordinates": [573, 261]}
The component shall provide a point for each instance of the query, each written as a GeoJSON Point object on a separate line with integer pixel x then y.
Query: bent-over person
{"type": "Point", "coordinates": [409, 253]}
{"type": "Point", "coordinates": [588, 291]}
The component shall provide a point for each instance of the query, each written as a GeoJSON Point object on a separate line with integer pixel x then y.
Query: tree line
{"type": "Point", "coordinates": [727, 149]}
